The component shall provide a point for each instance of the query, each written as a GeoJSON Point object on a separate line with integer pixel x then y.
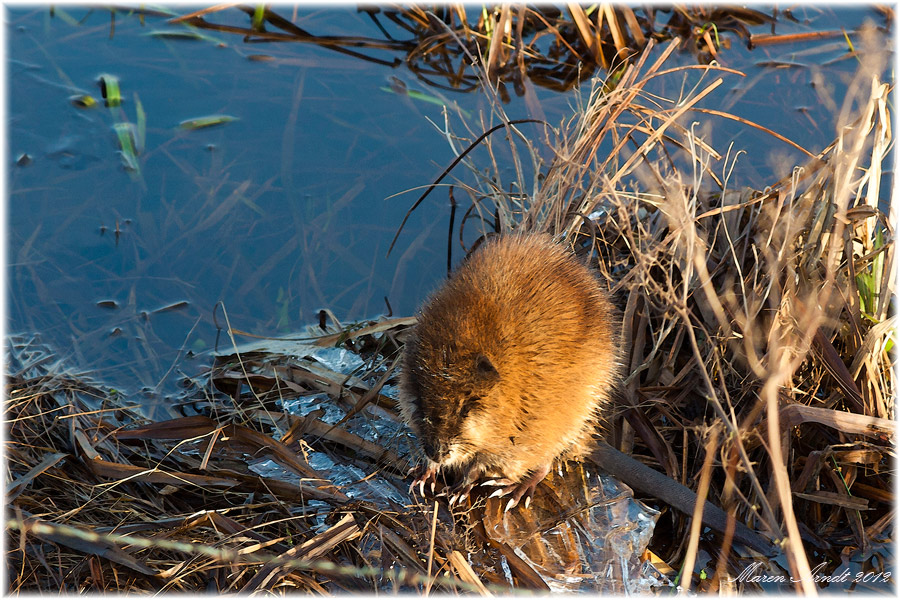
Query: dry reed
{"type": "Point", "coordinates": [743, 309]}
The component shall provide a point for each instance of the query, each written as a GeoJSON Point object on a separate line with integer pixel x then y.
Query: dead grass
{"type": "Point", "coordinates": [177, 505]}
{"type": "Point", "coordinates": [226, 498]}
{"type": "Point", "coordinates": [517, 46]}
{"type": "Point", "coordinates": [763, 314]}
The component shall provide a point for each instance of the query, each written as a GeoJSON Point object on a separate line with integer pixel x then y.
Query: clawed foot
{"type": "Point", "coordinates": [517, 490]}
{"type": "Point", "coordinates": [423, 475]}
{"type": "Point", "coordinates": [458, 493]}
{"type": "Point", "coordinates": [426, 478]}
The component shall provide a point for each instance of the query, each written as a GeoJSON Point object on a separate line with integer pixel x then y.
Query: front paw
{"type": "Point", "coordinates": [518, 490]}
{"type": "Point", "coordinates": [456, 494]}
{"type": "Point", "coordinates": [423, 475]}
{"type": "Point", "coordinates": [426, 477]}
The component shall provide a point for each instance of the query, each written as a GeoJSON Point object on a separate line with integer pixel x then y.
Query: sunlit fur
{"type": "Point", "coordinates": [543, 322]}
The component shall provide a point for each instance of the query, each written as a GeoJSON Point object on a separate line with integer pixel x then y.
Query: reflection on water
{"type": "Point", "coordinates": [287, 209]}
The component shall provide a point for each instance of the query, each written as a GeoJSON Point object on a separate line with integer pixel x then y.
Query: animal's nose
{"type": "Point", "coordinates": [435, 450]}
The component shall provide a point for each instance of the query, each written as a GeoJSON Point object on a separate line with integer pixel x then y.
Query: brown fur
{"type": "Point", "coordinates": [511, 360]}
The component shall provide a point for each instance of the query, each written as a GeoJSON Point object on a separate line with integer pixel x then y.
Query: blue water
{"type": "Point", "coordinates": [288, 209]}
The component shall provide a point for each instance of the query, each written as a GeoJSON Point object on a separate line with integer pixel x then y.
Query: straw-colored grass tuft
{"type": "Point", "coordinates": [759, 322]}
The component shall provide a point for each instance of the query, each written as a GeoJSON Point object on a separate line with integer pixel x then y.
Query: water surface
{"type": "Point", "coordinates": [290, 208]}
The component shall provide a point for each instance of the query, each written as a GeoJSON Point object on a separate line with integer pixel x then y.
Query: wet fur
{"type": "Point", "coordinates": [512, 360]}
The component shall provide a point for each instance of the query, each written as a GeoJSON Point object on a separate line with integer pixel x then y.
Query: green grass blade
{"type": "Point", "coordinates": [83, 100]}
{"type": "Point", "coordinates": [259, 14]}
{"type": "Point", "coordinates": [421, 96]}
{"type": "Point", "coordinates": [109, 87]}
{"type": "Point", "coordinates": [125, 134]}
{"type": "Point", "coordinates": [65, 17]}
{"type": "Point", "coordinates": [208, 121]}
{"type": "Point", "coordinates": [160, 9]}
{"type": "Point", "coordinates": [141, 136]}
{"type": "Point", "coordinates": [185, 33]}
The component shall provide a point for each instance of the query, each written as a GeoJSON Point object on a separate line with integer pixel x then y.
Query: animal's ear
{"type": "Point", "coordinates": [485, 368]}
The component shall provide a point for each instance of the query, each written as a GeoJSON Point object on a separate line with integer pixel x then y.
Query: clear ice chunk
{"type": "Point", "coordinates": [584, 532]}
{"type": "Point", "coordinates": [340, 360]}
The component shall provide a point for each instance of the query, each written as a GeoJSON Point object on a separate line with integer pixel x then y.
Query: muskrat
{"type": "Point", "coordinates": [509, 366]}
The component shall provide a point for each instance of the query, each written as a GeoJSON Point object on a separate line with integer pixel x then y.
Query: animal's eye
{"type": "Point", "coordinates": [484, 366]}
{"type": "Point", "coordinates": [468, 404]}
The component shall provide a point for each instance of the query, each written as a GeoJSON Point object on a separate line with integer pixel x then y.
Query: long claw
{"type": "Point", "coordinates": [421, 475]}
{"type": "Point", "coordinates": [521, 491]}
{"type": "Point", "coordinates": [502, 482]}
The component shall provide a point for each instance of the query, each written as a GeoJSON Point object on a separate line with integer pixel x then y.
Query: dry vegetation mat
{"type": "Point", "coordinates": [760, 334]}
{"type": "Point", "coordinates": [264, 485]}
{"type": "Point", "coordinates": [759, 322]}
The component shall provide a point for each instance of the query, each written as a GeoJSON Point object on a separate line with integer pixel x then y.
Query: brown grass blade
{"type": "Point", "coordinates": [526, 577]}
{"type": "Point", "coordinates": [658, 445]}
{"type": "Point", "coordinates": [851, 508]}
{"type": "Point", "coordinates": [344, 530]}
{"type": "Point", "coordinates": [18, 485]}
{"type": "Point", "coordinates": [264, 444]}
{"type": "Point", "coordinates": [315, 427]}
{"type": "Point", "coordinates": [633, 25]}
{"type": "Point", "coordinates": [372, 393]}
{"type": "Point", "coordinates": [835, 499]}
{"type": "Point", "coordinates": [612, 20]}
{"type": "Point", "coordinates": [673, 115]}
{"type": "Point", "coordinates": [496, 47]}
{"type": "Point", "coordinates": [203, 11]}
{"type": "Point", "coordinates": [778, 136]}
{"type": "Point", "coordinates": [408, 556]}
{"type": "Point", "coordinates": [834, 365]}
{"type": "Point", "coordinates": [195, 427]}
{"type": "Point", "coordinates": [795, 414]}
{"type": "Point", "coordinates": [796, 555]}
{"type": "Point", "coordinates": [687, 571]}
{"type": "Point", "coordinates": [586, 32]}
{"type": "Point", "coordinates": [873, 493]}
{"type": "Point", "coordinates": [765, 39]}
{"type": "Point", "coordinates": [381, 326]}
{"type": "Point", "coordinates": [84, 543]}
{"type": "Point", "coordinates": [466, 573]}
{"type": "Point", "coordinates": [118, 471]}
{"type": "Point", "coordinates": [184, 428]}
